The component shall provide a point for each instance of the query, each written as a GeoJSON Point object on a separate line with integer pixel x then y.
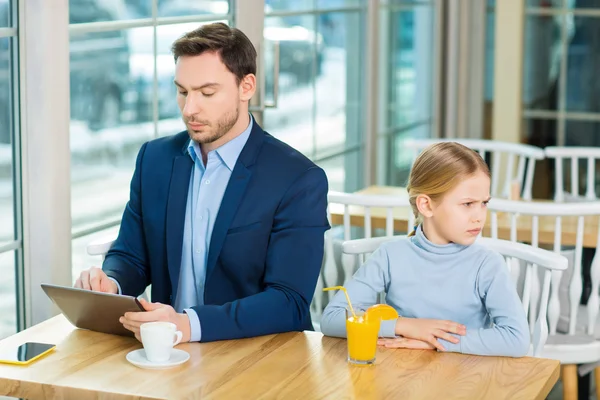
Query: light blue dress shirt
{"type": "Point", "coordinates": [207, 187]}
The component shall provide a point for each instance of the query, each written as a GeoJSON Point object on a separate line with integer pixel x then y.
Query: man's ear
{"type": "Point", "coordinates": [247, 87]}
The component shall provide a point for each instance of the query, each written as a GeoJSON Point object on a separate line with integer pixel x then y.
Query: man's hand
{"type": "Point", "coordinates": [156, 312]}
{"type": "Point", "coordinates": [404, 343]}
{"type": "Point", "coordinates": [95, 279]}
{"type": "Point", "coordinates": [429, 330]}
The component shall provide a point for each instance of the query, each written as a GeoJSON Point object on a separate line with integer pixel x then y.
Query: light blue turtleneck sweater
{"type": "Point", "coordinates": [465, 284]}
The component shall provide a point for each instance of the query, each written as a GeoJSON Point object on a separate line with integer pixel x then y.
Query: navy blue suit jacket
{"type": "Point", "coordinates": [267, 244]}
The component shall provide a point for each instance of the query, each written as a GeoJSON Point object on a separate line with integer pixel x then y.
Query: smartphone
{"type": "Point", "coordinates": [26, 353]}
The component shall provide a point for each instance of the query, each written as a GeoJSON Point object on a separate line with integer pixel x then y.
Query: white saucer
{"type": "Point", "coordinates": [138, 358]}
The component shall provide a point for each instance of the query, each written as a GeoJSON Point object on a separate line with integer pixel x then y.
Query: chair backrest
{"type": "Point", "coordinates": [526, 155]}
{"type": "Point", "coordinates": [573, 155]}
{"type": "Point", "coordinates": [533, 257]}
{"type": "Point", "coordinates": [372, 206]}
{"type": "Point", "coordinates": [337, 268]}
{"type": "Point", "coordinates": [100, 246]}
{"type": "Point", "coordinates": [521, 221]}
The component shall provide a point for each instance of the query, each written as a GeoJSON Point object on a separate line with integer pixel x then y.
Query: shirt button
{"type": "Point", "coordinates": [198, 251]}
{"type": "Point", "coordinates": [200, 217]}
{"type": "Point", "coordinates": [207, 182]}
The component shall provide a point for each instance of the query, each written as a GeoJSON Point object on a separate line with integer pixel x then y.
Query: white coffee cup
{"type": "Point", "coordinates": [158, 339]}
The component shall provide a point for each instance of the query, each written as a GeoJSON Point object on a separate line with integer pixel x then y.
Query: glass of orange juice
{"type": "Point", "coordinates": [362, 335]}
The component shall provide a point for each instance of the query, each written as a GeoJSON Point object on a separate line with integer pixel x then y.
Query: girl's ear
{"type": "Point", "coordinates": [425, 205]}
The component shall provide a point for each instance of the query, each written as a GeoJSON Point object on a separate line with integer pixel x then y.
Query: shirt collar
{"type": "Point", "coordinates": [229, 152]}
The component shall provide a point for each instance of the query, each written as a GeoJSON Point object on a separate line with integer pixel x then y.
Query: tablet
{"type": "Point", "coordinates": [95, 311]}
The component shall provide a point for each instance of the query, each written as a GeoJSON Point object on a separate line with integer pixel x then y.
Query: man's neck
{"type": "Point", "coordinates": [237, 129]}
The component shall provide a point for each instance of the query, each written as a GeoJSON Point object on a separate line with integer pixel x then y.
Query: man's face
{"type": "Point", "coordinates": [208, 96]}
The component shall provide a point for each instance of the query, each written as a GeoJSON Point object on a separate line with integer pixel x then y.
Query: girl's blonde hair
{"type": "Point", "coordinates": [438, 169]}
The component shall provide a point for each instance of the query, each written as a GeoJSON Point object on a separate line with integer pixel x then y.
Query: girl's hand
{"type": "Point", "coordinates": [404, 343]}
{"type": "Point", "coordinates": [429, 330]}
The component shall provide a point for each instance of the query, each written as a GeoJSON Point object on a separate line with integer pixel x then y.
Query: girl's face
{"type": "Point", "coordinates": [459, 216]}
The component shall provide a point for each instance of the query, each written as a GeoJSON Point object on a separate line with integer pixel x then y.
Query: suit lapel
{"type": "Point", "coordinates": [229, 205]}
{"type": "Point", "coordinates": [234, 194]}
{"type": "Point", "coordinates": [176, 206]}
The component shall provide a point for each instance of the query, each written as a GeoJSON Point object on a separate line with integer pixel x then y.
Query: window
{"type": "Point", "coordinates": [320, 105]}
{"type": "Point", "coordinates": [10, 214]}
{"type": "Point", "coordinates": [406, 58]}
{"type": "Point", "coordinates": [122, 95]}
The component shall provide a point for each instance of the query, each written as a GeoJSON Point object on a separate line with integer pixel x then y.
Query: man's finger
{"type": "Point", "coordinates": [78, 284]}
{"type": "Point", "coordinates": [85, 280]}
{"type": "Point", "coordinates": [132, 328]}
{"type": "Point", "coordinates": [142, 316]}
{"type": "Point", "coordinates": [150, 306]}
{"type": "Point", "coordinates": [95, 277]}
{"type": "Point", "coordinates": [129, 322]}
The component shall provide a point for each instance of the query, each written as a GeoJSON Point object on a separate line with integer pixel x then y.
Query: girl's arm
{"type": "Point", "coordinates": [509, 333]}
{"type": "Point", "coordinates": [370, 279]}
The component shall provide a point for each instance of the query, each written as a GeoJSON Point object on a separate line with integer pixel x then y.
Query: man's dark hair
{"type": "Point", "coordinates": [235, 49]}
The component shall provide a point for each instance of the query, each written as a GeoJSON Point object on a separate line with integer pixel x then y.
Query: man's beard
{"type": "Point", "coordinates": [223, 126]}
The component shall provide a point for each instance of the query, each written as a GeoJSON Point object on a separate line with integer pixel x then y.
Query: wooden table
{"type": "Point", "coordinates": [546, 224]}
{"type": "Point", "coordinates": [295, 365]}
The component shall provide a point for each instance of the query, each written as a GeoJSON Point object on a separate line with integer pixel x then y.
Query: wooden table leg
{"type": "Point", "coordinates": [569, 379]}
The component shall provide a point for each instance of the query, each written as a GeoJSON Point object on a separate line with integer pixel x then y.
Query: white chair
{"type": "Point", "coordinates": [571, 339]}
{"type": "Point", "coordinates": [101, 246]}
{"type": "Point", "coordinates": [573, 155]}
{"type": "Point", "coordinates": [525, 154]}
{"type": "Point", "coordinates": [533, 257]}
{"type": "Point", "coordinates": [371, 205]}
{"type": "Point", "coordinates": [337, 268]}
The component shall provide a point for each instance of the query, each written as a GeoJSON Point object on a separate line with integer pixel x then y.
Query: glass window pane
{"type": "Point", "coordinates": [402, 158]}
{"type": "Point", "coordinates": [582, 133]}
{"type": "Point", "coordinates": [344, 172]}
{"type": "Point", "coordinates": [80, 258]}
{"type": "Point", "coordinates": [111, 100]}
{"type": "Point", "coordinates": [542, 63]}
{"type": "Point", "coordinates": [583, 3]}
{"type": "Point", "coordinates": [8, 296]}
{"type": "Point", "coordinates": [181, 8]}
{"type": "Point", "coordinates": [339, 92]}
{"type": "Point", "coordinates": [7, 90]}
{"type": "Point", "coordinates": [549, 4]}
{"type": "Point", "coordinates": [293, 120]}
{"type": "Point", "coordinates": [325, 4]}
{"type": "Point", "coordinates": [289, 5]}
{"type": "Point", "coordinates": [84, 11]}
{"type": "Point", "coordinates": [540, 132]}
{"type": "Point", "coordinates": [490, 36]}
{"type": "Point", "coordinates": [4, 13]}
{"type": "Point", "coordinates": [410, 60]}
{"type": "Point", "coordinates": [168, 111]}
{"type": "Point", "coordinates": [488, 91]}
{"type": "Point", "coordinates": [108, 79]}
{"type": "Point", "coordinates": [583, 64]}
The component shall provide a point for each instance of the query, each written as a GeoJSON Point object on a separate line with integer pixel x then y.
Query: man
{"type": "Point", "coordinates": [226, 222]}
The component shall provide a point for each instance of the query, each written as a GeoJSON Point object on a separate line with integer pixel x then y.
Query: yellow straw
{"type": "Point", "coordinates": [347, 297]}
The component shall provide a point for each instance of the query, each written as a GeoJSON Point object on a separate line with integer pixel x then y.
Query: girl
{"type": "Point", "coordinates": [451, 293]}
